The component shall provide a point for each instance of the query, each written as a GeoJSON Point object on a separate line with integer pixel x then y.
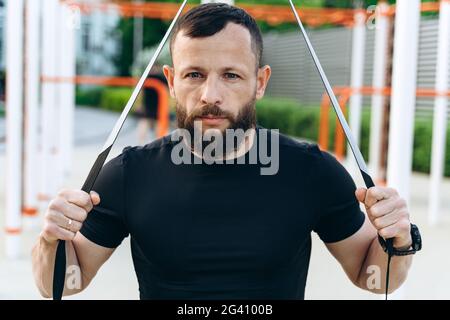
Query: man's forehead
{"type": "Point", "coordinates": [232, 41]}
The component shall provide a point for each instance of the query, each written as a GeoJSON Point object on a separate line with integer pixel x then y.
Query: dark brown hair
{"type": "Point", "coordinates": [207, 19]}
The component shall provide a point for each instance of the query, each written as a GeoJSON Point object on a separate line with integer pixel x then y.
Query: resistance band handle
{"type": "Point", "coordinates": [389, 242]}
{"type": "Point", "coordinates": [59, 272]}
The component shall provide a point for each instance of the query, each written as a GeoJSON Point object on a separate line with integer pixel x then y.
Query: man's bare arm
{"type": "Point", "coordinates": [365, 262]}
{"type": "Point", "coordinates": [82, 255]}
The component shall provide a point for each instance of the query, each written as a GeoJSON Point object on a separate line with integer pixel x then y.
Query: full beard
{"type": "Point", "coordinates": [245, 120]}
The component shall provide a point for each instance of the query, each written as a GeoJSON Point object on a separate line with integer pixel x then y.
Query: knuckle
{"type": "Point", "coordinates": [77, 227]}
{"type": "Point", "coordinates": [63, 192]}
{"type": "Point", "coordinates": [375, 211]}
{"type": "Point", "coordinates": [51, 215]}
{"type": "Point", "coordinates": [80, 214]}
{"type": "Point", "coordinates": [384, 233]}
{"type": "Point", "coordinates": [405, 216]}
{"type": "Point", "coordinates": [83, 215]}
{"type": "Point", "coordinates": [401, 203]}
{"type": "Point", "coordinates": [393, 191]}
{"type": "Point", "coordinates": [404, 224]}
{"type": "Point", "coordinates": [51, 229]}
{"type": "Point", "coordinates": [55, 204]}
{"type": "Point", "coordinates": [85, 200]}
{"type": "Point", "coordinates": [377, 223]}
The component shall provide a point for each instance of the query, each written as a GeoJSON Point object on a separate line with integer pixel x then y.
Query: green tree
{"type": "Point", "coordinates": [154, 29]}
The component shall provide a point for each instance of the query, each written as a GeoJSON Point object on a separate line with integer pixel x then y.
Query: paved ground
{"type": "Point", "coordinates": [429, 277]}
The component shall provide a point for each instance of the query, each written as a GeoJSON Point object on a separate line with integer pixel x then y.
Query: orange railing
{"type": "Point", "coordinates": [272, 14]}
{"type": "Point", "coordinates": [158, 85]}
{"type": "Point", "coordinates": [343, 94]}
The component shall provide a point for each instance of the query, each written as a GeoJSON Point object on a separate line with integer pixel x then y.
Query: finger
{"type": "Point", "coordinates": [64, 234]}
{"type": "Point", "coordinates": [383, 207]}
{"type": "Point", "coordinates": [77, 197]}
{"type": "Point", "coordinates": [387, 220]}
{"type": "Point", "coordinates": [373, 195]}
{"type": "Point", "coordinates": [395, 229]}
{"type": "Point", "coordinates": [74, 212]}
{"type": "Point", "coordinates": [64, 222]}
{"type": "Point", "coordinates": [52, 230]}
{"type": "Point", "coordinates": [95, 198]}
{"type": "Point", "coordinates": [360, 194]}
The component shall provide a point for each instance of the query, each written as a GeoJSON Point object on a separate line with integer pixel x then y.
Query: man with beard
{"type": "Point", "coordinates": [220, 231]}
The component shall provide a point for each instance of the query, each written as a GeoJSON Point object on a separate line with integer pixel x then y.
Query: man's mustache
{"type": "Point", "coordinates": [210, 109]}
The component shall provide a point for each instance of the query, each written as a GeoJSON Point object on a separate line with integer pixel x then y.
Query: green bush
{"type": "Point", "coordinates": [115, 99]}
{"type": "Point", "coordinates": [303, 121]}
{"type": "Point", "coordinates": [88, 97]}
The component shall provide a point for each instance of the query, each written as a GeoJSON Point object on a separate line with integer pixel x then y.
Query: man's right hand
{"type": "Point", "coordinates": [66, 213]}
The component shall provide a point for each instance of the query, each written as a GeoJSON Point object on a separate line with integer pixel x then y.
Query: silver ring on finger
{"type": "Point", "coordinates": [69, 223]}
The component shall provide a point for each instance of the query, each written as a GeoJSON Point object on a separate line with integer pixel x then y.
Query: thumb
{"type": "Point", "coordinates": [360, 194]}
{"type": "Point", "coordinates": [95, 198]}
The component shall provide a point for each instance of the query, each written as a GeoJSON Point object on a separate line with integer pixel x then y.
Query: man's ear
{"type": "Point", "coordinates": [169, 74]}
{"type": "Point", "coordinates": [262, 80]}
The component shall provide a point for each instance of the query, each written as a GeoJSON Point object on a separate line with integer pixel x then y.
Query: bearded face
{"type": "Point", "coordinates": [212, 117]}
{"type": "Point", "coordinates": [215, 81]}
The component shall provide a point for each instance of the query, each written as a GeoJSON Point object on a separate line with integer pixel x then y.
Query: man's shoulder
{"type": "Point", "coordinates": [296, 145]}
{"type": "Point", "coordinates": [154, 147]}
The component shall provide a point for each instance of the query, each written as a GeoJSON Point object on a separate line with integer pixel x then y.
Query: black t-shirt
{"type": "Point", "coordinates": [222, 231]}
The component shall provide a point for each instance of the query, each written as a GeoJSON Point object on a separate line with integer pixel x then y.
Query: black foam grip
{"type": "Point", "coordinates": [59, 272]}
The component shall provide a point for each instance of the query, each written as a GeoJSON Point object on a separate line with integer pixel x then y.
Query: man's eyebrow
{"type": "Point", "coordinates": [225, 69]}
{"type": "Point", "coordinates": [234, 68]}
{"type": "Point", "coordinates": [193, 67]}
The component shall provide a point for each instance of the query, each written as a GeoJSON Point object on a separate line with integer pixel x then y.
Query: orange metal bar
{"type": "Point", "coordinates": [324, 129]}
{"type": "Point", "coordinates": [344, 94]}
{"type": "Point", "coordinates": [163, 108]}
{"type": "Point", "coordinates": [339, 142]}
{"type": "Point", "coordinates": [273, 14]}
{"type": "Point", "coordinates": [160, 87]}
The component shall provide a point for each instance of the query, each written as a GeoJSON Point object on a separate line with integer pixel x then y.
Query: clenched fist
{"type": "Point", "coordinates": [66, 213]}
{"type": "Point", "coordinates": [388, 213]}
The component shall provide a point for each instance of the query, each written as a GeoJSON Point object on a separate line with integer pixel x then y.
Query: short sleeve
{"type": "Point", "coordinates": [339, 214]}
{"type": "Point", "coordinates": [105, 223]}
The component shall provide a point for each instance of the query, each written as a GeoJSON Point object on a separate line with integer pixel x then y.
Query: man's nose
{"type": "Point", "coordinates": [211, 93]}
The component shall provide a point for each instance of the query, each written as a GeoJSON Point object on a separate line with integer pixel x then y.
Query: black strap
{"type": "Point", "coordinates": [59, 272]}
{"type": "Point", "coordinates": [387, 275]}
{"type": "Point", "coordinates": [389, 251]}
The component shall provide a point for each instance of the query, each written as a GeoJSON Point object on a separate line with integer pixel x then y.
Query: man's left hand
{"type": "Point", "coordinates": [388, 213]}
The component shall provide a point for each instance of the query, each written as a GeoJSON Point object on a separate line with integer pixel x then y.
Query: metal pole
{"type": "Point", "coordinates": [30, 208]}
{"type": "Point", "coordinates": [403, 99]}
{"type": "Point", "coordinates": [49, 120]}
{"type": "Point", "coordinates": [14, 113]}
{"type": "Point", "coordinates": [357, 76]}
{"type": "Point", "coordinates": [138, 32]}
{"type": "Point", "coordinates": [379, 82]}
{"type": "Point", "coordinates": [440, 113]}
{"type": "Point", "coordinates": [66, 95]}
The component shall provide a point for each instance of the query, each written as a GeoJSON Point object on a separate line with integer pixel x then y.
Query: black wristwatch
{"type": "Point", "coordinates": [416, 243]}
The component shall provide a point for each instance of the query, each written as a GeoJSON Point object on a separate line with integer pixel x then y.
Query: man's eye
{"type": "Point", "coordinates": [231, 75]}
{"type": "Point", "coordinates": [194, 75]}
